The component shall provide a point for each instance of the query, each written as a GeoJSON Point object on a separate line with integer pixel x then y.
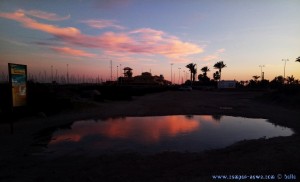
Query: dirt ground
{"type": "Point", "coordinates": [20, 159]}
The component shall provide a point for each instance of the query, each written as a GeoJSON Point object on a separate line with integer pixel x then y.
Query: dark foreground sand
{"type": "Point", "coordinates": [20, 158]}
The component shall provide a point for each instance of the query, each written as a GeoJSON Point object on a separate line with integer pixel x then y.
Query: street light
{"type": "Point", "coordinates": [51, 73]}
{"type": "Point", "coordinates": [261, 73]}
{"type": "Point", "coordinates": [117, 72]}
{"type": "Point", "coordinates": [179, 75]}
{"type": "Point", "coordinates": [68, 73]}
{"type": "Point", "coordinates": [171, 72]}
{"type": "Point", "coordinates": [285, 60]}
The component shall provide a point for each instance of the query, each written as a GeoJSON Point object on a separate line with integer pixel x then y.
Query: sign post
{"type": "Point", "coordinates": [18, 83]}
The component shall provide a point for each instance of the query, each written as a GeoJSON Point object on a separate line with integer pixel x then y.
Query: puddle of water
{"type": "Point", "coordinates": [159, 133]}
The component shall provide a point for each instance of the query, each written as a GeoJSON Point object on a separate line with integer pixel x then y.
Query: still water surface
{"type": "Point", "coordinates": [160, 133]}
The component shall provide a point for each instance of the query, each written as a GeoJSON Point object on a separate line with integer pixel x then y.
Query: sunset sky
{"type": "Point", "coordinates": [150, 35]}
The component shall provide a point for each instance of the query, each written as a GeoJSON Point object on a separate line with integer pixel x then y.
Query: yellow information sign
{"type": "Point", "coordinates": [18, 80]}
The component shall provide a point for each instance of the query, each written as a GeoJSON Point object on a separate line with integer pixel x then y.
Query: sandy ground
{"type": "Point", "coordinates": [20, 159]}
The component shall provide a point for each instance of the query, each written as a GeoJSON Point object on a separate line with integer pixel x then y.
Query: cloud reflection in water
{"type": "Point", "coordinates": [160, 133]}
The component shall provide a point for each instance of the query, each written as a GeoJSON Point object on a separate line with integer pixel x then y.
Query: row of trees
{"type": "Point", "coordinates": [277, 82]}
{"type": "Point", "coordinates": [203, 77]}
{"type": "Point", "coordinates": [217, 75]}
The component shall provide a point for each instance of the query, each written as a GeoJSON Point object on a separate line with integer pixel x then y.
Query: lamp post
{"type": "Point", "coordinates": [285, 60]}
{"type": "Point", "coordinates": [171, 72]}
{"type": "Point", "coordinates": [67, 73]}
{"type": "Point", "coordinates": [261, 73]}
{"type": "Point", "coordinates": [117, 72]}
{"type": "Point", "coordinates": [179, 76]}
{"type": "Point", "coordinates": [121, 74]}
{"type": "Point", "coordinates": [111, 77]}
{"type": "Point", "coordinates": [51, 73]}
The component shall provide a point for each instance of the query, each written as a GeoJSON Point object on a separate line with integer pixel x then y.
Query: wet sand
{"type": "Point", "coordinates": [21, 158]}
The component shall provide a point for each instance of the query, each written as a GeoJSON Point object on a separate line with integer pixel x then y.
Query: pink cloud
{"type": "Point", "coordinates": [210, 57]}
{"type": "Point", "coordinates": [213, 57]}
{"type": "Point", "coordinates": [148, 33]}
{"type": "Point", "coordinates": [153, 129]}
{"type": "Point", "coordinates": [100, 24]}
{"type": "Point", "coordinates": [140, 41]}
{"type": "Point", "coordinates": [156, 41]}
{"type": "Point", "coordinates": [44, 15]}
{"type": "Point", "coordinates": [221, 50]}
{"type": "Point", "coordinates": [73, 52]}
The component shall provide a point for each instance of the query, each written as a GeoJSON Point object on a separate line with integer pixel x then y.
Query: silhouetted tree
{"type": "Point", "coordinates": [219, 65]}
{"type": "Point", "coordinates": [205, 69]}
{"type": "Point", "coordinates": [200, 77]}
{"type": "Point", "coordinates": [279, 79]}
{"type": "Point", "coordinates": [216, 76]}
{"type": "Point", "coordinates": [193, 70]}
{"type": "Point", "coordinates": [277, 82]}
{"type": "Point", "coordinates": [203, 78]}
{"type": "Point", "coordinates": [264, 83]}
{"type": "Point", "coordinates": [255, 77]}
{"type": "Point", "coordinates": [298, 59]}
{"type": "Point", "coordinates": [290, 79]}
{"type": "Point", "coordinates": [242, 82]}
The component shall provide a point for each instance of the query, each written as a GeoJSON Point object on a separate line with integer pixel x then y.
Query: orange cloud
{"type": "Point", "coordinates": [73, 52]}
{"type": "Point", "coordinates": [21, 17]}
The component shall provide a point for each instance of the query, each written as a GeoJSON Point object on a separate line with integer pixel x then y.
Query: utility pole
{"type": "Point", "coordinates": [261, 73]}
{"type": "Point", "coordinates": [285, 60]}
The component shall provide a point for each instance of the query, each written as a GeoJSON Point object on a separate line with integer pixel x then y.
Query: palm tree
{"type": "Point", "coordinates": [290, 79]}
{"type": "Point", "coordinates": [298, 59]}
{"type": "Point", "coordinates": [220, 65]}
{"type": "Point", "coordinates": [193, 70]}
{"type": "Point", "coordinates": [205, 69]}
{"type": "Point", "coordinates": [255, 77]}
{"type": "Point", "coordinates": [216, 75]}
